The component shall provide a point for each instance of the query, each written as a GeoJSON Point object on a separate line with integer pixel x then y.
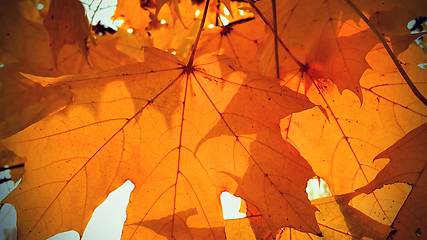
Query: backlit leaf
{"type": "Point", "coordinates": [141, 127]}
{"type": "Point", "coordinates": [66, 23]}
{"type": "Point", "coordinates": [407, 164]}
{"type": "Point", "coordinates": [184, 124]}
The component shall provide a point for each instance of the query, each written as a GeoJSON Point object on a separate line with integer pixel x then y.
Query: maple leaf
{"type": "Point", "coordinates": [24, 102]}
{"type": "Point", "coordinates": [151, 142]}
{"type": "Point", "coordinates": [136, 16]}
{"type": "Point", "coordinates": [334, 42]}
{"type": "Point", "coordinates": [17, 30]}
{"type": "Point", "coordinates": [27, 42]}
{"type": "Point", "coordinates": [234, 40]}
{"type": "Point", "coordinates": [171, 35]}
{"type": "Point", "coordinates": [341, 149]}
{"type": "Point", "coordinates": [34, 104]}
{"type": "Point", "coordinates": [381, 102]}
{"type": "Point", "coordinates": [66, 23]}
{"type": "Point", "coordinates": [407, 164]}
{"type": "Point", "coordinates": [176, 13]}
{"type": "Point", "coordinates": [184, 133]}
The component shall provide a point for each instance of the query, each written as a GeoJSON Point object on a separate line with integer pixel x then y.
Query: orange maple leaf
{"type": "Point", "coordinates": [176, 135]}
{"type": "Point", "coordinates": [185, 132]}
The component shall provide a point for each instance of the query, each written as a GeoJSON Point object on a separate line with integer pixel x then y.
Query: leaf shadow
{"type": "Point", "coordinates": [179, 230]}
{"type": "Point", "coordinates": [269, 172]}
{"type": "Point", "coordinates": [359, 224]}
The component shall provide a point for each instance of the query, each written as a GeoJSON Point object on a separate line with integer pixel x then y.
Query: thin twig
{"type": "Point", "coordinates": [390, 53]}
{"type": "Point", "coordinates": [94, 12]}
{"type": "Point", "coordinates": [276, 52]}
{"type": "Point", "coordinates": [300, 64]}
{"type": "Point", "coordinates": [12, 167]}
{"type": "Point", "coordinates": [193, 52]}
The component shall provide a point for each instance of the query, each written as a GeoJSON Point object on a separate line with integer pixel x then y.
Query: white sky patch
{"type": "Point", "coordinates": [107, 219]}
{"type": "Point", "coordinates": [118, 22]}
{"type": "Point", "coordinates": [100, 10]}
{"type": "Point", "coordinates": [316, 190]}
{"type": "Point", "coordinates": [69, 235]}
{"type": "Point", "coordinates": [411, 24]}
{"type": "Point", "coordinates": [226, 12]}
{"type": "Point", "coordinates": [7, 212]}
{"type": "Point", "coordinates": [230, 206]}
{"type": "Point", "coordinates": [224, 20]}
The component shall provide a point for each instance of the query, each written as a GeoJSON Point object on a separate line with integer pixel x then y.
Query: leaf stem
{"type": "Point", "coordinates": [276, 52]}
{"type": "Point", "coordinates": [193, 52]}
{"type": "Point", "coordinates": [390, 53]}
{"type": "Point", "coordinates": [300, 64]}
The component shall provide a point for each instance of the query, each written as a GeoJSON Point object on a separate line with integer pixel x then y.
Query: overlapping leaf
{"type": "Point", "coordinates": [136, 16]}
{"type": "Point", "coordinates": [66, 23]}
{"type": "Point", "coordinates": [333, 40]}
{"type": "Point", "coordinates": [185, 135]}
{"type": "Point", "coordinates": [341, 149]}
{"type": "Point", "coordinates": [336, 219]}
{"type": "Point", "coordinates": [180, 136]}
{"type": "Point", "coordinates": [26, 41]}
{"type": "Point", "coordinates": [235, 40]}
{"type": "Point", "coordinates": [407, 164]}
